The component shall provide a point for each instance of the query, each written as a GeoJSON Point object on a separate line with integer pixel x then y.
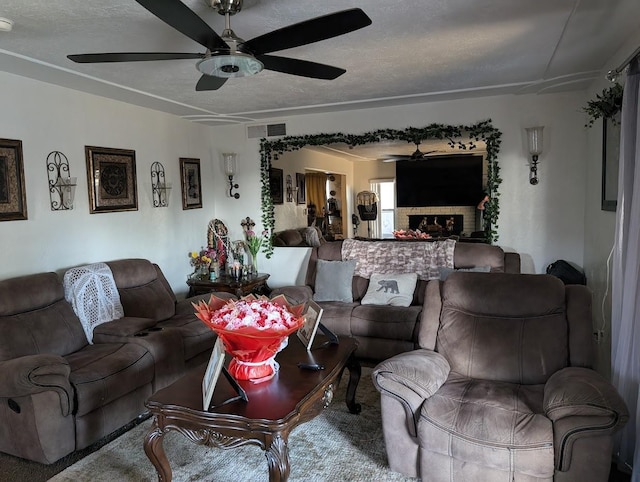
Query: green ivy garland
{"type": "Point", "coordinates": [605, 105]}
{"type": "Point", "coordinates": [455, 135]}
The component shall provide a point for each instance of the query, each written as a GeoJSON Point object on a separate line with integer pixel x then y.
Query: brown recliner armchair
{"type": "Point", "coordinates": [502, 387]}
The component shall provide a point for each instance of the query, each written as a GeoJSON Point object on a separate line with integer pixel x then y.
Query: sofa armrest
{"type": "Point", "coordinates": [581, 402]}
{"type": "Point", "coordinates": [294, 294]}
{"type": "Point", "coordinates": [411, 378]}
{"type": "Point", "coordinates": [32, 374]}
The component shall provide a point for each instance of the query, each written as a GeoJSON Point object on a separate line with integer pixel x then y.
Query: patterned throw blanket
{"type": "Point", "coordinates": [387, 257]}
{"type": "Point", "coordinates": [93, 294]}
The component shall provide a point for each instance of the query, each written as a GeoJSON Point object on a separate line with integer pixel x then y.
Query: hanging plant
{"type": "Point", "coordinates": [605, 105]}
{"type": "Point", "coordinates": [462, 137]}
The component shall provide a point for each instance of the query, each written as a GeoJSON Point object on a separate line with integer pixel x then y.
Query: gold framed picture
{"type": "Point", "coordinates": [13, 197]}
{"type": "Point", "coordinates": [212, 373]}
{"type": "Point", "coordinates": [312, 315]}
{"type": "Point", "coordinates": [190, 181]}
{"type": "Point", "coordinates": [111, 178]}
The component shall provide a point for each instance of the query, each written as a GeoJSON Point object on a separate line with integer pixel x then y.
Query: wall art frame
{"type": "Point", "coordinates": [190, 181]}
{"type": "Point", "coordinates": [13, 196]}
{"type": "Point", "coordinates": [610, 162]}
{"type": "Point", "coordinates": [302, 197]}
{"type": "Point", "coordinates": [307, 332]}
{"type": "Point", "coordinates": [276, 180]}
{"type": "Point", "coordinates": [111, 179]}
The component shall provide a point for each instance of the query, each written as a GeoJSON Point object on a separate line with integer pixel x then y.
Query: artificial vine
{"type": "Point", "coordinates": [605, 105]}
{"type": "Point", "coordinates": [462, 136]}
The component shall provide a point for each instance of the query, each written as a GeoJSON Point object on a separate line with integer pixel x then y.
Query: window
{"type": "Point", "coordinates": [385, 224]}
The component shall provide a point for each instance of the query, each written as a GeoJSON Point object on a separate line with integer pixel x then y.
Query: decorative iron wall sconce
{"type": "Point", "coordinates": [159, 186]}
{"type": "Point", "coordinates": [62, 187]}
{"type": "Point", "coordinates": [534, 138]}
{"type": "Point", "coordinates": [230, 169]}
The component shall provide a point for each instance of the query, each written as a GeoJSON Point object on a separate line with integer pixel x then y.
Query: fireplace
{"type": "Point", "coordinates": [437, 224]}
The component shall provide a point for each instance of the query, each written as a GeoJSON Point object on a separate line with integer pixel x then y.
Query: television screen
{"type": "Point", "coordinates": [439, 181]}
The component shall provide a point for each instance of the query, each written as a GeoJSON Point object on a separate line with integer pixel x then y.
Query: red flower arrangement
{"type": "Point", "coordinates": [253, 330]}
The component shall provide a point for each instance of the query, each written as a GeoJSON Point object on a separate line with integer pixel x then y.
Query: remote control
{"type": "Point", "coordinates": [310, 366]}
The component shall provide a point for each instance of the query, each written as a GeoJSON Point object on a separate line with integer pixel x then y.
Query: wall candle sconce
{"type": "Point", "coordinates": [534, 137]}
{"type": "Point", "coordinates": [229, 159]}
{"type": "Point", "coordinates": [159, 186]}
{"type": "Point", "coordinates": [62, 187]}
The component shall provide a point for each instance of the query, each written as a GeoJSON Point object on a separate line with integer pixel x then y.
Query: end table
{"type": "Point", "coordinates": [256, 284]}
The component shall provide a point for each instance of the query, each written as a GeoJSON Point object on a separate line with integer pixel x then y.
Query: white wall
{"type": "Point", "coordinates": [543, 222]}
{"type": "Point", "coordinates": [47, 118]}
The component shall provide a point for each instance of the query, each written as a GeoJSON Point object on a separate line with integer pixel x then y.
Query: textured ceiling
{"type": "Point", "coordinates": [414, 51]}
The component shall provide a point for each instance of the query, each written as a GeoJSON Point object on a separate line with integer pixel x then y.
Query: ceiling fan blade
{"type": "Point", "coordinates": [130, 57]}
{"type": "Point", "coordinates": [208, 82]}
{"type": "Point", "coordinates": [303, 68]}
{"type": "Point", "coordinates": [309, 31]}
{"type": "Point", "coordinates": [186, 21]}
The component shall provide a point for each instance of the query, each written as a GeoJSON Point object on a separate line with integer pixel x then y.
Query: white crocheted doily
{"type": "Point", "coordinates": [93, 295]}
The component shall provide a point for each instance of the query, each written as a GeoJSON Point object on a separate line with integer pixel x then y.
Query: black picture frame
{"type": "Point", "coordinates": [276, 179]}
{"type": "Point", "coordinates": [302, 196]}
{"type": "Point", "coordinates": [610, 162]}
{"type": "Point", "coordinates": [190, 181]}
{"type": "Point", "coordinates": [111, 179]}
{"type": "Point", "coordinates": [13, 196]}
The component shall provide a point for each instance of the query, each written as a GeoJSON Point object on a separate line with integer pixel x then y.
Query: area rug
{"type": "Point", "coordinates": [334, 446]}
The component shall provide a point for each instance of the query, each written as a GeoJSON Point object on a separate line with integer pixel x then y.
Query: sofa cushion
{"type": "Point", "coordinates": [337, 316]}
{"type": "Point", "coordinates": [389, 322]}
{"type": "Point", "coordinates": [36, 319]}
{"type": "Point", "coordinates": [391, 289]}
{"type": "Point", "coordinates": [333, 280]}
{"type": "Point", "coordinates": [495, 424]}
{"type": "Point", "coordinates": [104, 372]}
{"type": "Point", "coordinates": [196, 336]}
{"type": "Point", "coordinates": [445, 272]}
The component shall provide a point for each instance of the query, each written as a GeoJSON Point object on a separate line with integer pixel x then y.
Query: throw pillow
{"type": "Point", "coordinates": [390, 289]}
{"type": "Point", "coordinates": [333, 280]}
{"type": "Point", "coordinates": [445, 272]}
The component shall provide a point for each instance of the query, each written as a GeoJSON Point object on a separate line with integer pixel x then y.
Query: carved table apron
{"type": "Point", "coordinates": [300, 395]}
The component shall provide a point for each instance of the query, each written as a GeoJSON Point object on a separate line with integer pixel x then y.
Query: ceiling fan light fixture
{"type": "Point", "coordinates": [232, 65]}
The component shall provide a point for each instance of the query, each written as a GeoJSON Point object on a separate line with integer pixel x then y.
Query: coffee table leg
{"type": "Point", "coordinates": [354, 378]}
{"type": "Point", "coordinates": [277, 454]}
{"type": "Point", "coordinates": [155, 452]}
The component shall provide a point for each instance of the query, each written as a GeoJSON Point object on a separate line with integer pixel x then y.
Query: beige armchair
{"type": "Point", "coordinates": [502, 387]}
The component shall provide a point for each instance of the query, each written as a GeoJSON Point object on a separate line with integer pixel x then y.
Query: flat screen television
{"type": "Point", "coordinates": [439, 181]}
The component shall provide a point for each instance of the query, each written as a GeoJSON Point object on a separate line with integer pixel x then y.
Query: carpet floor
{"type": "Point", "coordinates": [334, 446]}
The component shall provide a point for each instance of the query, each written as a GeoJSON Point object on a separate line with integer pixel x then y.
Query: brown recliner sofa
{"type": "Point", "coordinates": [383, 331]}
{"type": "Point", "coordinates": [502, 386]}
{"type": "Point", "coordinates": [58, 393]}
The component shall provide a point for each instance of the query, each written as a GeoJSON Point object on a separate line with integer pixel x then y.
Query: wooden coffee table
{"type": "Point", "coordinates": [274, 408]}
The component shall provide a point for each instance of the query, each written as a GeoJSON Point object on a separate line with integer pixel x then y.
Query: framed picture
{"type": "Point", "coordinates": [301, 188]}
{"type": "Point", "coordinates": [276, 186]}
{"type": "Point", "coordinates": [111, 177]}
{"type": "Point", "coordinates": [212, 373]}
{"type": "Point", "coordinates": [308, 331]}
{"type": "Point", "coordinates": [190, 181]}
{"type": "Point", "coordinates": [610, 161]}
{"type": "Point", "coordinates": [13, 197]}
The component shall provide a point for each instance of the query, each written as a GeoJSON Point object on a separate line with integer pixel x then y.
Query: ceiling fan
{"type": "Point", "coordinates": [417, 155]}
{"type": "Point", "coordinates": [228, 55]}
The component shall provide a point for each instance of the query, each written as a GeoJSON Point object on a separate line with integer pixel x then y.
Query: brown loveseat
{"type": "Point", "coordinates": [58, 393]}
{"type": "Point", "coordinates": [383, 331]}
{"type": "Point", "coordinates": [501, 387]}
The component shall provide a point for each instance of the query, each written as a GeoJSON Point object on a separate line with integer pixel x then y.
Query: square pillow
{"type": "Point", "coordinates": [390, 289]}
{"type": "Point", "coordinates": [333, 280]}
{"type": "Point", "coordinates": [445, 272]}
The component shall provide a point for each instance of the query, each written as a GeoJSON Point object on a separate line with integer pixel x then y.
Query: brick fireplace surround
{"type": "Point", "coordinates": [468, 213]}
